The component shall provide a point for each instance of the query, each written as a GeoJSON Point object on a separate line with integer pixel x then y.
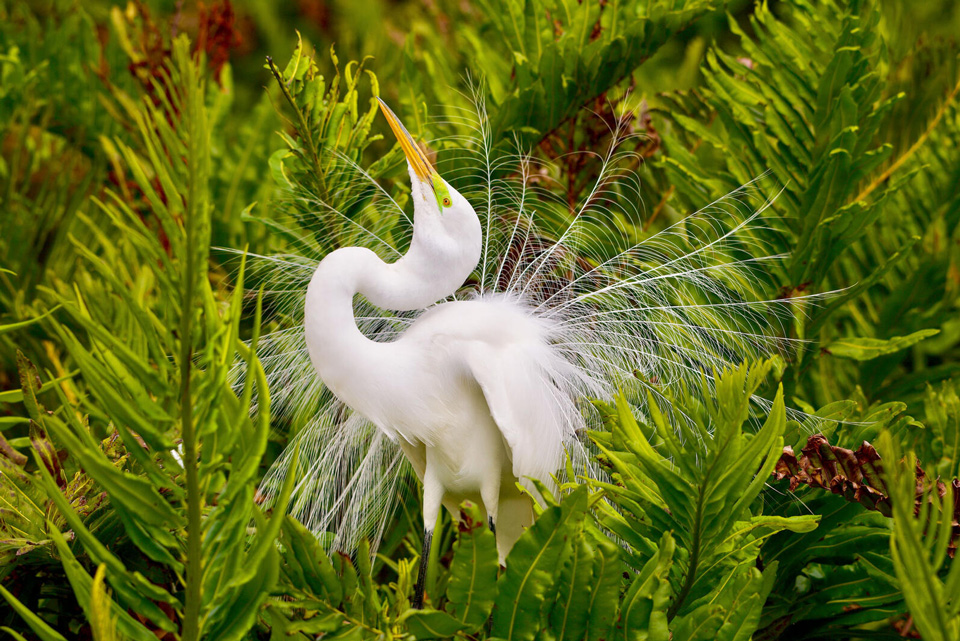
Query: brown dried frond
{"type": "Point", "coordinates": [217, 34]}
{"type": "Point", "coordinates": [857, 476]}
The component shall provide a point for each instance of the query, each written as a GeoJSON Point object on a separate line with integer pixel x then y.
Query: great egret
{"type": "Point", "coordinates": [469, 390]}
{"type": "Point", "coordinates": [484, 390]}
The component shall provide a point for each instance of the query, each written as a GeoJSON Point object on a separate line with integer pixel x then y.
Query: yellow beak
{"type": "Point", "coordinates": [421, 166]}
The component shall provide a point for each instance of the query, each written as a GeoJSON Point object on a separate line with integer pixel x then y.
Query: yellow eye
{"type": "Point", "coordinates": [446, 202]}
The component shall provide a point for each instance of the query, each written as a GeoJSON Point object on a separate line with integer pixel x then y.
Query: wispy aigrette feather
{"type": "Point", "coordinates": [622, 310]}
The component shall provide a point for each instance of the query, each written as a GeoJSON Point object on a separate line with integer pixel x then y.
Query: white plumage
{"type": "Point", "coordinates": [486, 389]}
{"type": "Point", "coordinates": [473, 391]}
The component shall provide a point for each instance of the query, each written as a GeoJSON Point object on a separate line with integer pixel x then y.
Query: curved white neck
{"type": "Point", "coordinates": [349, 363]}
{"type": "Point", "coordinates": [444, 250]}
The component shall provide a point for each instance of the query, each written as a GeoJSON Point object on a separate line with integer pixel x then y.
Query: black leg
{"type": "Point", "coordinates": [493, 528]}
{"type": "Point", "coordinates": [422, 576]}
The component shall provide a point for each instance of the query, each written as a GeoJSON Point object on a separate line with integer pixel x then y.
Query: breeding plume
{"type": "Point", "coordinates": [470, 356]}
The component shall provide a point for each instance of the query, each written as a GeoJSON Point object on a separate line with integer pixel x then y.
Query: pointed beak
{"type": "Point", "coordinates": [421, 166]}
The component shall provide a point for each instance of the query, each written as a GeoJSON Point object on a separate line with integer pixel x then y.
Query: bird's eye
{"type": "Point", "coordinates": [446, 202]}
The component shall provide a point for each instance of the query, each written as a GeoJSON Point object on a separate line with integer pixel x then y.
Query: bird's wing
{"type": "Point", "coordinates": [528, 408]}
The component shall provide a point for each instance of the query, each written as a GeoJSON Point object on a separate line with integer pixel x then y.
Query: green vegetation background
{"type": "Point", "coordinates": [133, 138]}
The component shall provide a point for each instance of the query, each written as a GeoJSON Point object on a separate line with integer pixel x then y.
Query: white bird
{"type": "Point", "coordinates": [484, 392]}
{"type": "Point", "coordinates": [468, 389]}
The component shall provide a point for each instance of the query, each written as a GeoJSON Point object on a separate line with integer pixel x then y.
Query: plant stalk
{"type": "Point", "coordinates": [194, 571]}
{"type": "Point", "coordinates": [191, 623]}
{"type": "Point", "coordinates": [691, 576]}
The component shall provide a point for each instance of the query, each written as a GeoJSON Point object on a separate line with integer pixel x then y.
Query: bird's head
{"type": "Point", "coordinates": [431, 193]}
{"type": "Point", "coordinates": [446, 229]}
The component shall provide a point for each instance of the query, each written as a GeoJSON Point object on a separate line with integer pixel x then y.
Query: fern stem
{"type": "Point", "coordinates": [301, 125]}
{"type": "Point", "coordinates": [691, 575]}
{"type": "Point", "coordinates": [191, 622]}
{"type": "Point", "coordinates": [879, 180]}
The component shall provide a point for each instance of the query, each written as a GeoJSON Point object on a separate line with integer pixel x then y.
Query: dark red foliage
{"type": "Point", "coordinates": [857, 476]}
{"type": "Point", "coordinates": [217, 34]}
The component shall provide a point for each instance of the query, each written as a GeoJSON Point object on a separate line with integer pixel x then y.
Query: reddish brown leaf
{"type": "Point", "coordinates": [7, 450]}
{"type": "Point", "coordinates": [857, 476]}
{"type": "Point", "coordinates": [217, 35]}
{"type": "Point", "coordinates": [48, 453]}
